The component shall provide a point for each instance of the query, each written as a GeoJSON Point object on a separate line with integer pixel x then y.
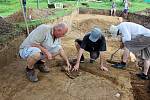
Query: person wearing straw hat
{"type": "Point", "coordinates": [42, 43]}
{"type": "Point", "coordinates": [135, 38]}
{"type": "Point", "coordinates": [94, 42]}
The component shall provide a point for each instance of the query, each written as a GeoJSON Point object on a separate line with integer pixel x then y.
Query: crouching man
{"type": "Point", "coordinates": [135, 38]}
{"type": "Point", "coordinates": [94, 43]}
{"type": "Point", "coordinates": [43, 43]}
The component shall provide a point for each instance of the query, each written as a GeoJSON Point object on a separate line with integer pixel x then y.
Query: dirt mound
{"type": "Point", "coordinates": [5, 27]}
{"type": "Point", "coordinates": [31, 14]}
{"type": "Point", "coordinates": [40, 13]}
{"type": "Point", "coordinates": [88, 23]}
{"type": "Point", "coordinates": [84, 24]}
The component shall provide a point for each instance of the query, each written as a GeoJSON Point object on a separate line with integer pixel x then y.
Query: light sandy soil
{"type": "Point", "coordinates": [92, 84]}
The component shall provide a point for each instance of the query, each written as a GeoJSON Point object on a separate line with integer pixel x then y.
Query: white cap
{"type": "Point", "coordinates": [113, 30]}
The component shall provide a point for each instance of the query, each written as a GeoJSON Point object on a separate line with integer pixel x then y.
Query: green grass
{"type": "Point", "coordinates": [136, 6]}
{"type": "Point", "coordinates": [36, 22]}
{"type": "Point", "coordinates": [11, 6]}
{"type": "Point", "coordinates": [139, 6]}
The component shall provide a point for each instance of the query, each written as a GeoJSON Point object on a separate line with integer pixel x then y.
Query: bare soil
{"type": "Point", "coordinates": [5, 27]}
{"type": "Point", "coordinates": [140, 88]}
{"type": "Point", "coordinates": [92, 84]}
{"type": "Point", "coordinates": [33, 13]}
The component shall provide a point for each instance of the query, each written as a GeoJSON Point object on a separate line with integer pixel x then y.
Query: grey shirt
{"type": "Point", "coordinates": [41, 35]}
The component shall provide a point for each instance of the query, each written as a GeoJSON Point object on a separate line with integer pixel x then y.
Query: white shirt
{"type": "Point", "coordinates": [130, 30]}
{"type": "Point", "coordinates": [126, 5]}
{"type": "Point", "coordinates": [125, 1]}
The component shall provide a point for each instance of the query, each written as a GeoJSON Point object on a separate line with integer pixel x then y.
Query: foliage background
{"type": "Point", "coordinates": [8, 7]}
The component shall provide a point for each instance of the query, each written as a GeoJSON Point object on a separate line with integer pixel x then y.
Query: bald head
{"type": "Point", "coordinates": [60, 30]}
{"type": "Point", "coordinates": [63, 26]}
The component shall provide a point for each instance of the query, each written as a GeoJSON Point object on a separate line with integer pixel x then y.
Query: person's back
{"type": "Point", "coordinates": [38, 35]}
{"type": "Point", "coordinates": [133, 29]}
{"type": "Point", "coordinates": [99, 45]}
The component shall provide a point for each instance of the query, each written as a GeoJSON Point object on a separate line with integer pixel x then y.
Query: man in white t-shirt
{"type": "Point", "coordinates": [135, 38]}
{"type": "Point", "coordinates": [43, 43]}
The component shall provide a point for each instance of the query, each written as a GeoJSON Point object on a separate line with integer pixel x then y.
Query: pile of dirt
{"type": "Point", "coordinates": [31, 14]}
{"type": "Point", "coordinates": [40, 13]}
{"type": "Point", "coordinates": [5, 27]}
{"type": "Point", "coordinates": [84, 24]}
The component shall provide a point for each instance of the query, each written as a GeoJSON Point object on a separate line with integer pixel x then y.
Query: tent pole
{"type": "Point", "coordinates": [24, 17]}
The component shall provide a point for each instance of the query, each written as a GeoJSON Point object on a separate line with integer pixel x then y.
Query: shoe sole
{"type": "Point", "coordinates": [123, 68]}
{"type": "Point", "coordinates": [81, 61]}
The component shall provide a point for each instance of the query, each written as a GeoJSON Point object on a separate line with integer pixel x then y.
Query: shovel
{"type": "Point", "coordinates": [111, 57]}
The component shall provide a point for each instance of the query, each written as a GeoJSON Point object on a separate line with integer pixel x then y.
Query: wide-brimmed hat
{"type": "Point", "coordinates": [113, 30]}
{"type": "Point", "coordinates": [95, 34]}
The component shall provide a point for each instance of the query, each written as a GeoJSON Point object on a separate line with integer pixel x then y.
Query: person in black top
{"type": "Point", "coordinates": [93, 42]}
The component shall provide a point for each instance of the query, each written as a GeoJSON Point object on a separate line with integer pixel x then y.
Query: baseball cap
{"type": "Point", "coordinates": [113, 30]}
{"type": "Point", "coordinates": [95, 34]}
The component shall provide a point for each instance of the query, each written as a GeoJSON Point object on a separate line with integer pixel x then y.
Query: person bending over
{"type": "Point", "coordinates": [42, 44]}
{"type": "Point", "coordinates": [135, 38]}
{"type": "Point", "coordinates": [94, 43]}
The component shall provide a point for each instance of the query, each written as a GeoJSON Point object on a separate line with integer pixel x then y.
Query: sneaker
{"type": "Point", "coordinates": [41, 66]}
{"type": "Point", "coordinates": [119, 66]}
{"type": "Point", "coordinates": [30, 73]}
{"type": "Point", "coordinates": [143, 76]}
{"type": "Point", "coordinates": [82, 59]}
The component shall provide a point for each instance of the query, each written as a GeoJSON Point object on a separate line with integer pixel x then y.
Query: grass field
{"type": "Point", "coordinates": [8, 7]}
